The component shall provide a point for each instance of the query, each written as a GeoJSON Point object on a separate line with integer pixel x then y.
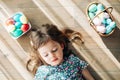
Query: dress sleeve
{"type": "Point", "coordinates": [78, 62]}
{"type": "Point", "coordinates": [41, 73]}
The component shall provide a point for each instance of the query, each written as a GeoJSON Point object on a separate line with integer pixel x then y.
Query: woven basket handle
{"type": "Point", "coordinates": [109, 10]}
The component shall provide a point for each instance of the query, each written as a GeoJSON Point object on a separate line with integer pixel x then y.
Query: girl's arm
{"type": "Point", "coordinates": [87, 74]}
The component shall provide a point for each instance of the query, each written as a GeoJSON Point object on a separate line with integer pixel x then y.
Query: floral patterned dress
{"type": "Point", "coordinates": [70, 69]}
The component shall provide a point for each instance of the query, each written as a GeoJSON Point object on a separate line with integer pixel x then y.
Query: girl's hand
{"type": "Point", "coordinates": [87, 75]}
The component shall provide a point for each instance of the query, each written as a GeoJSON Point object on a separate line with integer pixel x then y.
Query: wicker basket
{"type": "Point", "coordinates": [107, 10]}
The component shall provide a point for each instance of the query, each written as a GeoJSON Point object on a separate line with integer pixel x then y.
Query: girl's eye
{"type": "Point", "coordinates": [46, 55]}
{"type": "Point", "coordinates": [54, 50]}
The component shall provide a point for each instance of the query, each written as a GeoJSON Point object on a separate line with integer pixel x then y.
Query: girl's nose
{"type": "Point", "coordinates": [52, 55]}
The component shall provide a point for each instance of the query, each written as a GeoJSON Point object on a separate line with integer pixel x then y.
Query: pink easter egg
{"type": "Point", "coordinates": [97, 21]}
{"type": "Point", "coordinates": [101, 29]}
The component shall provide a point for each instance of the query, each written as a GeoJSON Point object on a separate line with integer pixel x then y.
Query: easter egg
{"type": "Point", "coordinates": [108, 21]}
{"type": "Point", "coordinates": [18, 25]}
{"type": "Point", "coordinates": [93, 8]}
{"type": "Point", "coordinates": [97, 21]}
{"type": "Point", "coordinates": [23, 19]}
{"type": "Point", "coordinates": [10, 22]}
{"type": "Point", "coordinates": [108, 29]}
{"type": "Point", "coordinates": [17, 16]}
{"type": "Point", "coordinates": [101, 29]}
{"type": "Point", "coordinates": [104, 21]}
{"type": "Point", "coordinates": [113, 24]}
{"type": "Point", "coordinates": [106, 15]}
{"type": "Point", "coordinates": [17, 33]}
{"type": "Point", "coordinates": [91, 15]}
{"type": "Point", "coordinates": [100, 7]}
{"type": "Point", "coordinates": [25, 27]}
{"type": "Point", "coordinates": [11, 28]}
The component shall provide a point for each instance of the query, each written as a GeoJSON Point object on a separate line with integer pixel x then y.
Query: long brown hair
{"type": "Point", "coordinates": [41, 36]}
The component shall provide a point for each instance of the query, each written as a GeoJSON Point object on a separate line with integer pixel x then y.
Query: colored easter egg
{"type": "Point", "coordinates": [25, 27]}
{"type": "Point", "coordinates": [10, 22]}
{"type": "Point", "coordinates": [23, 19]}
{"type": "Point", "coordinates": [100, 7]}
{"type": "Point", "coordinates": [113, 24]}
{"type": "Point", "coordinates": [17, 16]}
{"type": "Point", "coordinates": [17, 33]}
{"type": "Point", "coordinates": [93, 8]}
{"type": "Point", "coordinates": [108, 21]}
{"type": "Point", "coordinates": [11, 28]}
{"type": "Point", "coordinates": [97, 21]}
{"type": "Point", "coordinates": [108, 29]}
{"type": "Point", "coordinates": [18, 25]}
{"type": "Point", "coordinates": [106, 15]}
{"type": "Point", "coordinates": [104, 21]}
{"type": "Point", "coordinates": [91, 15]}
{"type": "Point", "coordinates": [101, 29]}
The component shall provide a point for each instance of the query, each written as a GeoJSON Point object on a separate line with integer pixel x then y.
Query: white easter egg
{"type": "Point", "coordinates": [106, 15]}
{"type": "Point", "coordinates": [97, 21]}
{"type": "Point", "coordinates": [101, 29]}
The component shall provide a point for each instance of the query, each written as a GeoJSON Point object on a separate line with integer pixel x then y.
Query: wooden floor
{"type": "Point", "coordinates": [102, 53]}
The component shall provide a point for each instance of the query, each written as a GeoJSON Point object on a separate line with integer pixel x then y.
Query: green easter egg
{"type": "Point", "coordinates": [91, 15]}
{"type": "Point", "coordinates": [113, 24]}
{"type": "Point", "coordinates": [17, 16]}
{"type": "Point", "coordinates": [93, 8]}
{"type": "Point", "coordinates": [108, 29]}
{"type": "Point", "coordinates": [100, 7]}
{"type": "Point", "coordinates": [17, 33]}
{"type": "Point", "coordinates": [104, 21]}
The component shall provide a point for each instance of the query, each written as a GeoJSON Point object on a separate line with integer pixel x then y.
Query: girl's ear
{"type": "Point", "coordinates": [62, 45]}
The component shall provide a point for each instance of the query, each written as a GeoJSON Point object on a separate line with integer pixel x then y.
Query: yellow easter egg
{"type": "Point", "coordinates": [23, 19]}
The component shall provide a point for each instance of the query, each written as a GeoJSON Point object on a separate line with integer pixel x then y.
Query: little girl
{"type": "Point", "coordinates": [52, 59]}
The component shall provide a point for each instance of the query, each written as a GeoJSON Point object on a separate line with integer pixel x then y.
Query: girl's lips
{"type": "Point", "coordinates": [54, 59]}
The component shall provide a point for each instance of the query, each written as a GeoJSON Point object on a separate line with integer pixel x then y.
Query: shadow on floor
{"type": "Point", "coordinates": [112, 42]}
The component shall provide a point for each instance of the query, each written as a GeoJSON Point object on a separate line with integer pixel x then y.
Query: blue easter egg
{"type": "Point", "coordinates": [16, 17]}
{"type": "Point", "coordinates": [113, 24]}
{"type": "Point", "coordinates": [100, 7]}
{"type": "Point", "coordinates": [108, 29]}
{"type": "Point", "coordinates": [93, 8]}
{"type": "Point", "coordinates": [108, 21]}
{"type": "Point", "coordinates": [104, 21]}
{"type": "Point", "coordinates": [18, 25]}
{"type": "Point", "coordinates": [91, 15]}
{"type": "Point", "coordinates": [17, 33]}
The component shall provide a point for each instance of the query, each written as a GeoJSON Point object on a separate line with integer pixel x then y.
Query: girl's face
{"type": "Point", "coordinates": [52, 53]}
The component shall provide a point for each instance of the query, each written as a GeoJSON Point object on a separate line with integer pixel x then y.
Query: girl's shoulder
{"type": "Point", "coordinates": [41, 72]}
